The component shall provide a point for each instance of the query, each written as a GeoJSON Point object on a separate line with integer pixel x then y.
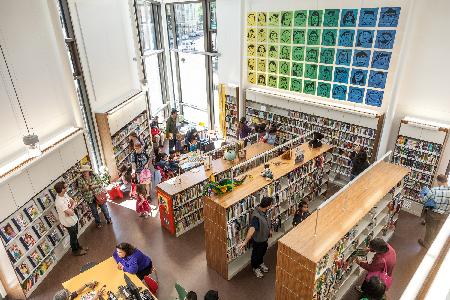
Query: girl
{"type": "Point", "coordinates": [142, 205]}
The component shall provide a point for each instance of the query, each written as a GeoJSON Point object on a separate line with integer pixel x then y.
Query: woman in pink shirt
{"type": "Point", "coordinates": [385, 259]}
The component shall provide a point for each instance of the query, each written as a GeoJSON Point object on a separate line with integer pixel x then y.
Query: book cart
{"type": "Point", "coordinates": [345, 127]}
{"type": "Point", "coordinates": [227, 216]}
{"type": "Point", "coordinates": [180, 198]}
{"type": "Point", "coordinates": [114, 127]}
{"type": "Point", "coordinates": [419, 146]}
{"type": "Point", "coordinates": [231, 94]}
{"type": "Point", "coordinates": [32, 236]}
{"type": "Point", "coordinates": [316, 259]}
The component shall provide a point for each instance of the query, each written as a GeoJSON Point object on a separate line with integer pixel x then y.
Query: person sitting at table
{"type": "Point", "coordinates": [164, 165]}
{"type": "Point", "coordinates": [174, 163]}
{"type": "Point", "coordinates": [131, 260]}
{"type": "Point", "coordinates": [193, 144]}
{"type": "Point", "coordinates": [271, 136]}
{"type": "Point", "coordinates": [192, 133]}
{"type": "Point", "coordinates": [64, 294]}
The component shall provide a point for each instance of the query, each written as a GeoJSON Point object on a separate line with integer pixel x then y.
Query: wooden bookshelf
{"type": "Point", "coordinates": [362, 211]}
{"type": "Point", "coordinates": [219, 211]}
{"type": "Point", "coordinates": [179, 192]}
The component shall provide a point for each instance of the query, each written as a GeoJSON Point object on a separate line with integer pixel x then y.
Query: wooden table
{"type": "Point", "coordinates": [106, 273]}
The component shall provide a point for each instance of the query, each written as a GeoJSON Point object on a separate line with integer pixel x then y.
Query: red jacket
{"type": "Point", "coordinates": [377, 263]}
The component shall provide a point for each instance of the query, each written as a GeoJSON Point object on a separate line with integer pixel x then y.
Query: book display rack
{"type": "Point", "coordinates": [231, 93]}
{"type": "Point", "coordinates": [227, 216]}
{"type": "Point", "coordinates": [316, 259]}
{"type": "Point", "coordinates": [32, 234]}
{"type": "Point", "coordinates": [419, 147]}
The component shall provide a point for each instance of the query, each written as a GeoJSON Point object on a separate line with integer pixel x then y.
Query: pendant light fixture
{"type": "Point", "coordinates": [30, 140]}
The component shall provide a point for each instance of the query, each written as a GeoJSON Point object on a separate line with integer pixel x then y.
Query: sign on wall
{"type": "Point", "coordinates": [343, 54]}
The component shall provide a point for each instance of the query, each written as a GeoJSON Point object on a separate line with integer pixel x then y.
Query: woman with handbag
{"type": "Point", "coordinates": [93, 193]}
{"type": "Point", "coordinates": [382, 264]}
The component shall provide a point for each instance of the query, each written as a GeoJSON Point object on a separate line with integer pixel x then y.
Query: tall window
{"type": "Point", "coordinates": [191, 33]}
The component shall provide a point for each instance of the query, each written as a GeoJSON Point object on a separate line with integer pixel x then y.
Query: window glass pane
{"type": "Point", "coordinates": [170, 23]}
{"type": "Point", "coordinates": [193, 79]}
{"type": "Point", "coordinates": [213, 41]}
{"type": "Point", "coordinates": [147, 31]}
{"type": "Point", "coordinates": [154, 82]}
{"type": "Point", "coordinates": [173, 62]}
{"type": "Point", "coordinates": [212, 15]}
{"type": "Point", "coordinates": [195, 116]}
{"type": "Point", "coordinates": [215, 60]}
{"type": "Point", "coordinates": [189, 26]}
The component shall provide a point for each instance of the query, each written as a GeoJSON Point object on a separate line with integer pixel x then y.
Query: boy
{"type": "Point", "coordinates": [301, 213]}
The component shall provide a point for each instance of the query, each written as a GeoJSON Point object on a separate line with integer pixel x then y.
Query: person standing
{"type": "Point", "coordinates": [172, 129]}
{"type": "Point", "coordinates": [435, 217]}
{"type": "Point", "coordinates": [243, 129]}
{"type": "Point", "coordinates": [259, 233]}
{"type": "Point", "coordinates": [90, 186]}
{"type": "Point", "coordinates": [359, 162]}
{"type": "Point", "coordinates": [65, 207]}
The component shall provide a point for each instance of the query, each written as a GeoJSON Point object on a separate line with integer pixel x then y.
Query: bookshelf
{"type": "Point", "coordinates": [227, 216]}
{"type": "Point", "coordinates": [231, 93]}
{"type": "Point", "coordinates": [114, 127]}
{"type": "Point", "coordinates": [180, 198]}
{"type": "Point", "coordinates": [33, 236]}
{"type": "Point", "coordinates": [419, 146]}
{"type": "Point", "coordinates": [316, 259]}
{"type": "Point", "coordinates": [343, 127]}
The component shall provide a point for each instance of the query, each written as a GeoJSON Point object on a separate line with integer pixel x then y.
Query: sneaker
{"type": "Point", "coordinates": [99, 226]}
{"type": "Point", "coordinates": [264, 268]}
{"type": "Point", "coordinates": [109, 221]}
{"type": "Point", "coordinates": [79, 253]}
{"type": "Point", "coordinates": [84, 248]}
{"type": "Point", "coordinates": [258, 273]}
{"type": "Point", "coordinates": [358, 289]}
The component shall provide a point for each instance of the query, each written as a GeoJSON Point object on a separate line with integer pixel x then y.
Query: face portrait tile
{"type": "Point", "coordinates": [325, 73]}
{"type": "Point", "coordinates": [251, 19]}
{"type": "Point", "coordinates": [251, 64]}
{"type": "Point", "coordinates": [385, 39]}
{"type": "Point", "coordinates": [361, 58]}
{"type": "Point", "coordinates": [355, 94]}
{"type": "Point", "coordinates": [262, 35]}
{"type": "Point", "coordinates": [327, 55]}
{"type": "Point", "coordinates": [358, 77]}
{"type": "Point", "coordinates": [315, 18]}
{"type": "Point", "coordinates": [348, 17]}
{"type": "Point", "coordinates": [309, 87]}
{"type": "Point", "coordinates": [314, 36]}
{"type": "Point", "coordinates": [273, 66]}
{"type": "Point", "coordinates": [296, 85]}
{"type": "Point", "coordinates": [262, 19]}
{"type": "Point", "coordinates": [341, 75]}
{"type": "Point", "coordinates": [368, 17]}
{"type": "Point", "coordinates": [261, 50]}
{"type": "Point", "coordinates": [286, 36]}
{"type": "Point", "coordinates": [346, 37]}
{"type": "Point", "coordinates": [311, 71]}
{"type": "Point", "coordinates": [285, 52]}
{"type": "Point", "coordinates": [251, 77]}
{"type": "Point", "coordinates": [283, 82]}
{"type": "Point", "coordinates": [300, 18]}
{"type": "Point", "coordinates": [274, 19]}
{"type": "Point", "coordinates": [251, 35]}
{"type": "Point", "coordinates": [272, 81]}
{"type": "Point", "coordinates": [377, 79]}
{"type": "Point", "coordinates": [298, 36]}
{"type": "Point", "coordinates": [297, 69]}
{"type": "Point", "coordinates": [331, 18]}
{"type": "Point", "coordinates": [286, 18]}
{"type": "Point", "coordinates": [298, 53]}
{"type": "Point", "coordinates": [284, 67]}
{"type": "Point", "coordinates": [364, 38]}
{"type": "Point", "coordinates": [381, 60]}
{"type": "Point", "coordinates": [374, 98]}
{"type": "Point", "coordinates": [343, 57]}
{"type": "Point", "coordinates": [339, 92]}
{"type": "Point", "coordinates": [273, 51]}
{"type": "Point", "coordinates": [312, 54]}
{"type": "Point", "coordinates": [251, 50]}
{"type": "Point", "coordinates": [389, 17]}
{"type": "Point", "coordinates": [261, 79]}
{"type": "Point", "coordinates": [323, 89]}
{"type": "Point", "coordinates": [274, 35]}
{"type": "Point", "coordinates": [329, 37]}
{"type": "Point", "coordinates": [262, 65]}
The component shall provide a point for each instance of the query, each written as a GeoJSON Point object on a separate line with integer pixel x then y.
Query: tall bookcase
{"type": "Point", "coordinates": [419, 146]}
{"type": "Point", "coordinates": [114, 127]}
{"type": "Point", "coordinates": [343, 126]}
{"type": "Point", "coordinates": [227, 216]}
{"type": "Point", "coordinates": [316, 259]}
{"type": "Point", "coordinates": [231, 94]}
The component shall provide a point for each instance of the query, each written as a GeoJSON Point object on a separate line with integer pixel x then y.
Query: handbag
{"type": "Point", "coordinates": [101, 198]}
{"type": "Point", "coordinates": [383, 275]}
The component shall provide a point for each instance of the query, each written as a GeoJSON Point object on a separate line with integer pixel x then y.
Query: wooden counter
{"type": "Point", "coordinates": [197, 175]}
{"type": "Point", "coordinates": [255, 181]}
{"type": "Point", "coordinates": [106, 273]}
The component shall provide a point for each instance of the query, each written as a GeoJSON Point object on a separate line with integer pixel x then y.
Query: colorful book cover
{"type": "Point", "coordinates": [15, 252]}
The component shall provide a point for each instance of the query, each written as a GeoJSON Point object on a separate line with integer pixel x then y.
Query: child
{"type": "Point", "coordinates": [193, 146]}
{"type": "Point", "coordinates": [300, 214]}
{"type": "Point", "coordinates": [157, 134]}
{"type": "Point", "coordinates": [142, 205]}
{"type": "Point", "coordinates": [173, 163]}
{"type": "Point", "coordinates": [164, 165]}
{"type": "Point", "coordinates": [271, 136]}
{"type": "Point", "coordinates": [125, 178]}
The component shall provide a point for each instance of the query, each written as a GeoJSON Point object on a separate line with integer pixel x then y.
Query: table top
{"type": "Point", "coordinates": [197, 175]}
{"type": "Point", "coordinates": [106, 273]}
{"type": "Point", "coordinates": [280, 167]}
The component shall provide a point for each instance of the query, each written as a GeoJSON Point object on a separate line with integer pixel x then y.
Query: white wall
{"type": "Point", "coordinates": [104, 32]}
{"type": "Point", "coordinates": [31, 37]}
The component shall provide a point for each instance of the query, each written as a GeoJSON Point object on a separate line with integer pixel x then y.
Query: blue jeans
{"type": "Point", "coordinates": [103, 207]}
